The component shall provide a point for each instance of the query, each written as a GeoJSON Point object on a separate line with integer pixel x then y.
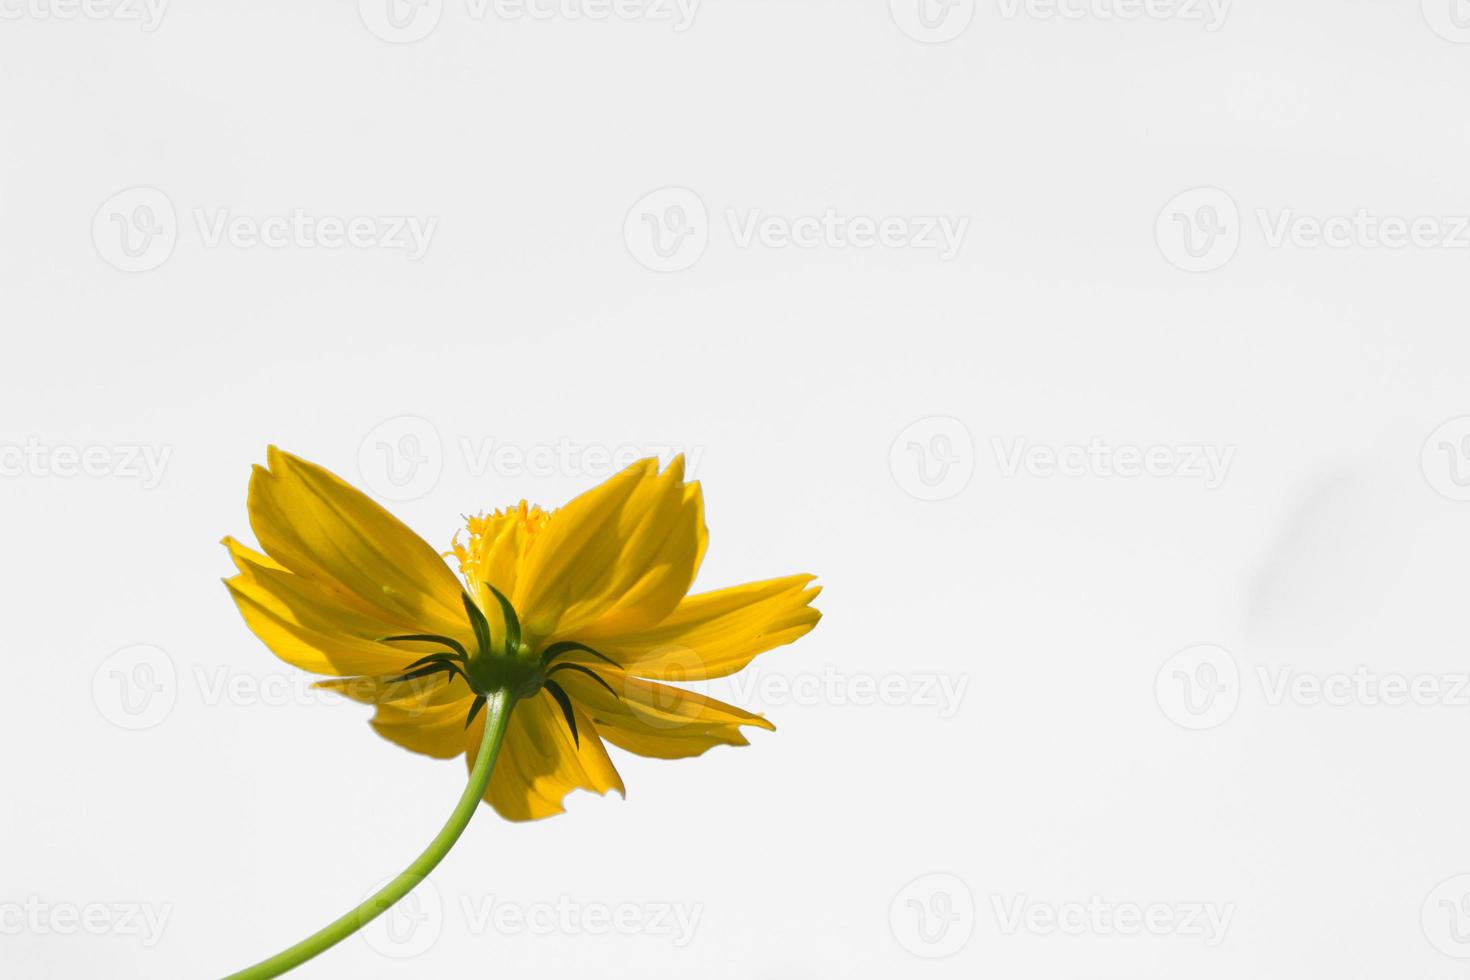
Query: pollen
{"type": "Point", "coordinates": [491, 546]}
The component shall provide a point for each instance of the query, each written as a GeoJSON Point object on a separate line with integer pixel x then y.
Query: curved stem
{"type": "Point", "coordinates": [497, 715]}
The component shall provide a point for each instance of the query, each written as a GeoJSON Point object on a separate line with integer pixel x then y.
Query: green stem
{"type": "Point", "coordinates": [497, 715]}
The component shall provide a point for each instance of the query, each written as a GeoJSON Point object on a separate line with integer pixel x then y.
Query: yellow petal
{"type": "Point", "coordinates": [619, 557]}
{"type": "Point", "coordinates": [315, 525]}
{"type": "Point", "coordinates": [432, 730]}
{"type": "Point", "coordinates": [718, 633]}
{"type": "Point", "coordinates": [424, 715]}
{"type": "Point", "coordinates": [539, 764]}
{"type": "Point", "coordinates": [408, 696]}
{"type": "Point", "coordinates": [300, 646]}
{"type": "Point", "coordinates": [654, 719]}
{"type": "Point", "coordinates": [310, 626]}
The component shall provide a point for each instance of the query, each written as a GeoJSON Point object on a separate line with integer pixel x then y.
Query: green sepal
{"type": "Point", "coordinates": [448, 641]}
{"type": "Point", "coordinates": [474, 710]}
{"type": "Point", "coordinates": [435, 668]}
{"type": "Point", "coordinates": [554, 689]}
{"type": "Point", "coordinates": [512, 623]}
{"type": "Point", "coordinates": [433, 658]}
{"type": "Point", "coordinates": [568, 646]}
{"type": "Point", "coordinates": [478, 622]}
{"type": "Point", "coordinates": [583, 670]}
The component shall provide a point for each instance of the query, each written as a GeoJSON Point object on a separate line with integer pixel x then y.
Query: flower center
{"type": "Point", "coordinates": [491, 547]}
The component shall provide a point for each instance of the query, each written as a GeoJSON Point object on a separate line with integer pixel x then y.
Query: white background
{"type": "Point", "coordinates": [822, 392]}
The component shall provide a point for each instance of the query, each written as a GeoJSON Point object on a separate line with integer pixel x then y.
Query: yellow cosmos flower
{"type": "Point", "coordinates": [569, 621]}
